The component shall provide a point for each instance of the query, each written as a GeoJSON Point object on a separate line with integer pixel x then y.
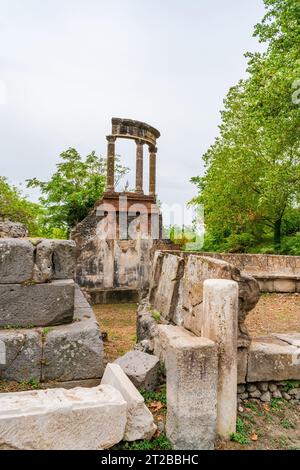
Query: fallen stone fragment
{"type": "Point", "coordinates": [140, 423]}
{"type": "Point", "coordinates": [59, 419]}
{"type": "Point", "coordinates": [141, 368]}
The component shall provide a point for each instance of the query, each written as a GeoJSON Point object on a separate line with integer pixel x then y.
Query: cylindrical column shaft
{"type": "Point", "coordinates": [110, 183]}
{"type": "Point", "coordinates": [152, 172]}
{"type": "Point", "coordinates": [139, 167]}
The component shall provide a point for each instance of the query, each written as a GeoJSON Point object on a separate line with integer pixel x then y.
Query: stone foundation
{"type": "Point", "coordinates": [48, 331]}
{"type": "Point", "coordinates": [267, 391]}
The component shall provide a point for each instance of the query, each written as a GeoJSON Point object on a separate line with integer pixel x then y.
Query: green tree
{"type": "Point", "coordinates": [252, 178]}
{"type": "Point", "coordinates": [16, 207]}
{"type": "Point", "coordinates": [73, 189]}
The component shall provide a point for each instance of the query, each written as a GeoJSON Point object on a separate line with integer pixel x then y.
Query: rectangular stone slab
{"type": "Point", "coordinates": [16, 260]}
{"type": "Point", "coordinates": [46, 304]}
{"type": "Point", "coordinates": [272, 359]}
{"type": "Point", "coordinates": [59, 419]}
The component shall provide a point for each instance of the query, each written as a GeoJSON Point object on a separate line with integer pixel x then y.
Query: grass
{"type": "Point", "coordinates": [157, 443]}
{"type": "Point", "coordinates": [159, 395]}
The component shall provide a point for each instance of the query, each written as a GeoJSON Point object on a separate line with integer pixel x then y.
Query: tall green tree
{"type": "Point", "coordinates": [73, 189]}
{"type": "Point", "coordinates": [252, 177]}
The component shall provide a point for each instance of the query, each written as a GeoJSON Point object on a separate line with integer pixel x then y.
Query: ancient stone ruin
{"type": "Point", "coordinates": [194, 320]}
{"type": "Point", "coordinates": [116, 241]}
{"type": "Point", "coordinates": [190, 326]}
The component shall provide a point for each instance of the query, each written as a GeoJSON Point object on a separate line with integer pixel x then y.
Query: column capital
{"type": "Point", "coordinates": [152, 149]}
{"type": "Point", "coordinates": [139, 142]}
{"type": "Point", "coordinates": [111, 138]}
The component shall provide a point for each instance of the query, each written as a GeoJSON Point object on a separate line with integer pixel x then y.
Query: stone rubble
{"type": "Point", "coordinates": [140, 423]}
{"type": "Point", "coordinates": [141, 368]}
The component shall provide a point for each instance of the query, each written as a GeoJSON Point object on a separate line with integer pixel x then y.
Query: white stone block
{"type": "Point", "coordinates": [220, 324]}
{"type": "Point", "coordinates": [59, 419]}
{"type": "Point", "coordinates": [140, 423]}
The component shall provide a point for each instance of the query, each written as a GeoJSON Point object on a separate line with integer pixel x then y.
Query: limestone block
{"type": "Point", "coordinates": [271, 359]}
{"type": "Point", "coordinates": [141, 368]}
{"type": "Point", "coordinates": [189, 309]}
{"type": "Point", "coordinates": [54, 259]}
{"type": "Point", "coordinates": [59, 419]}
{"type": "Point", "coordinates": [140, 423]}
{"type": "Point", "coordinates": [166, 333]}
{"type": "Point", "coordinates": [23, 355]}
{"type": "Point", "coordinates": [16, 260]}
{"type": "Point", "coordinates": [220, 324]}
{"type": "Point", "coordinates": [36, 304]}
{"type": "Point", "coordinates": [192, 376]}
{"type": "Point", "coordinates": [166, 294]}
{"type": "Point", "coordinates": [74, 351]}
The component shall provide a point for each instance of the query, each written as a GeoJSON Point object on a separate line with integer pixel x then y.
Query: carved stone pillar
{"type": "Point", "coordinates": [152, 170]}
{"type": "Point", "coordinates": [110, 182]}
{"type": "Point", "coordinates": [139, 167]}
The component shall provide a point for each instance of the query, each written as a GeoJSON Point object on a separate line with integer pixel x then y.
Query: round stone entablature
{"type": "Point", "coordinates": [131, 129]}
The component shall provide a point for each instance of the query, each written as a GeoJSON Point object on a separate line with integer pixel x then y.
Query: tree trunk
{"type": "Point", "coordinates": [277, 235]}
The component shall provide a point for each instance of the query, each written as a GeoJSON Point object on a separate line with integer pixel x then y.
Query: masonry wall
{"type": "Point", "coordinates": [274, 273]}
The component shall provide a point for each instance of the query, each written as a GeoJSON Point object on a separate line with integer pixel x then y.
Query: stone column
{"type": "Point", "coordinates": [139, 167]}
{"type": "Point", "coordinates": [110, 182]}
{"type": "Point", "coordinates": [220, 324]}
{"type": "Point", "coordinates": [152, 170]}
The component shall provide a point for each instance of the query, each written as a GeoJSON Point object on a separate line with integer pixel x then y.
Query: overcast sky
{"type": "Point", "coordinates": [68, 66]}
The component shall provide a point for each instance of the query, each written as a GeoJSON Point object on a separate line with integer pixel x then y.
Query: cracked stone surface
{"type": "Point", "coordinates": [31, 305]}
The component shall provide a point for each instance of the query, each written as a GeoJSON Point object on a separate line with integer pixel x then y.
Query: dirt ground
{"type": "Point", "coordinates": [275, 313]}
{"type": "Point", "coordinates": [118, 321]}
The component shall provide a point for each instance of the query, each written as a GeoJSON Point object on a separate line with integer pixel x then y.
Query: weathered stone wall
{"type": "Point", "coordinates": [176, 289]}
{"type": "Point", "coordinates": [105, 265]}
{"type": "Point", "coordinates": [274, 273]}
{"type": "Point", "coordinates": [48, 331]}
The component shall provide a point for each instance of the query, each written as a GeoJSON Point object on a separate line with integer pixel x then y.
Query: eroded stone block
{"type": "Point", "coordinates": [36, 304]}
{"type": "Point", "coordinates": [23, 355]}
{"type": "Point", "coordinates": [192, 376]}
{"type": "Point", "coordinates": [74, 351]}
{"type": "Point", "coordinates": [54, 259]}
{"type": "Point", "coordinates": [141, 368]}
{"type": "Point", "coordinates": [59, 419]}
{"type": "Point", "coordinates": [16, 261]}
{"type": "Point", "coordinates": [140, 423]}
{"type": "Point", "coordinates": [271, 359]}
